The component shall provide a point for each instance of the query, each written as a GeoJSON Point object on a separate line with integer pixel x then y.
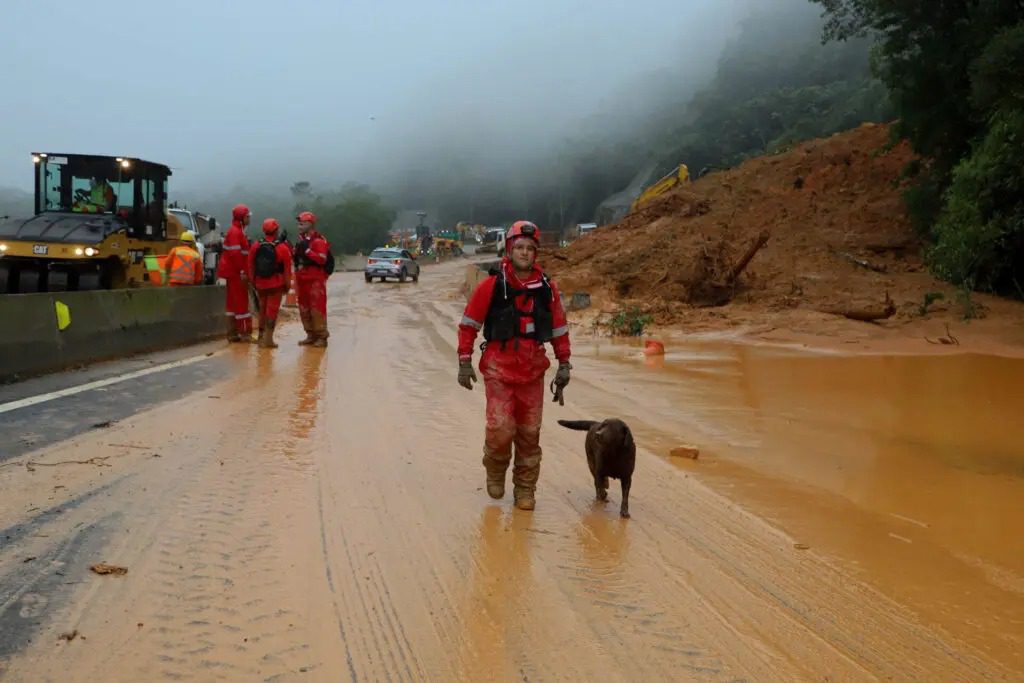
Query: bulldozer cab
{"type": "Point", "coordinates": [132, 192]}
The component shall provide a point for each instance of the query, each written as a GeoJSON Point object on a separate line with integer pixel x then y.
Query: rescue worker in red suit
{"type": "Point", "coordinates": [234, 268]}
{"type": "Point", "coordinates": [270, 262]}
{"type": "Point", "coordinates": [518, 310]}
{"type": "Point", "coordinates": [311, 280]}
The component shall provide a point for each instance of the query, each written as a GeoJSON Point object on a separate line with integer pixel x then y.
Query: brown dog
{"type": "Point", "coordinates": [610, 453]}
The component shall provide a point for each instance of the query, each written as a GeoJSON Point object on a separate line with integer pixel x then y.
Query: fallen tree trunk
{"type": "Point", "coordinates": [867, 314]}
{"type": "Point", "coordinates": [742, 264]}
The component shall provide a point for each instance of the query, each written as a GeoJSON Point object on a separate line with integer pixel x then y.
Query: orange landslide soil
{"type": "Point", "coordinates": [324, 519]}
{"type": "Point", "coordinates": [821, 202]}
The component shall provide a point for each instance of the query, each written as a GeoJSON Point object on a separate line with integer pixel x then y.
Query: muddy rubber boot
{"type": "Point", "coordinates": [307, 325]}
{"type": "Point", "coordinates": [232, 330]}
{"type": "Point", "coordinates": [267, 340]}
{"type": "Point", "coordinates": [320, 330]}
{"type": "Point", "coordinates": [496, 485]}
{"type": "Point", "coordinates": [524, 498]}
{"type": "Point", "coordinates": [259, 338]}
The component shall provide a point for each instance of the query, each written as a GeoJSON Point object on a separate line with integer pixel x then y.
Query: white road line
{"type": "Point", "coordinates": [89, 386]}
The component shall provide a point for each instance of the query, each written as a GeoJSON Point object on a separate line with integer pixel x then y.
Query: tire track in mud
{"type": "Point", "coordinates": [383, 646]}
{"type": "Point", "coordinates": [228, 603]}
{"type": "Point", "coordinates": [430, 570]}
{"type": "Point", "coordinates": [33, 594]}
{"type": "Point", "coordinates": [217, 588]}
{"type": "Point", "coordinates": [335, 528]}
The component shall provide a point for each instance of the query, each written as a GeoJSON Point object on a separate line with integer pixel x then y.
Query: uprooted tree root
{"type": "Point", "coordinates": [716, 283]}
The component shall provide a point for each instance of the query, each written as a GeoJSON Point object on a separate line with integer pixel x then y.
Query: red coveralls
{"type": "Point", "coordinates": [272, 289]}
{"type": "Point", "coordinates": [233, 264]}
{"type": "Point", "coordinates": [513, 374]}
{"type": "Point", "coordinates": [311, 283]}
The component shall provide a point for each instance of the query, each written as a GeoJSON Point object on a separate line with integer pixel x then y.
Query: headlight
{"type": "Point", "coordinates": [79, 251]}
{"type": "Point", "coordinates": [3, 247]}
{"type": "Point", "coordinates": [89, 251]}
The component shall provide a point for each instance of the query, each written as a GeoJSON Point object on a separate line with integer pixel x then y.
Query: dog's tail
{"type": "Point", "coordinates": [578, 425]}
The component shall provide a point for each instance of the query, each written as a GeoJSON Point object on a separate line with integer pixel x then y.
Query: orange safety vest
{"type": "Point", "coordinates": [184, 262]}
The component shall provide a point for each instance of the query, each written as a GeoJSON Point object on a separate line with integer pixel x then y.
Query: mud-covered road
{"type": "Point", "coordinates": [318, 515]}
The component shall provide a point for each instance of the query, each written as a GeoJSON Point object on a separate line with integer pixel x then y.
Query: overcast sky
{"type": "Point", "coordinates": [272, 91]}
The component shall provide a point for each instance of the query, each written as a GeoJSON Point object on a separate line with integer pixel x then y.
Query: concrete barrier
{"type": "Point", "coordinates": [105, 324]}
{"type": "Point", "coordinates": [475, 273]}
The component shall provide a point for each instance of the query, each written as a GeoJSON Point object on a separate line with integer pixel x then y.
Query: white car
{"type": "Point", "coordinates": [396, 263]}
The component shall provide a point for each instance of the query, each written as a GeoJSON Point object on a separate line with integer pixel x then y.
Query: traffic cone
{"type": "Point", "coordinates": [292, 299]}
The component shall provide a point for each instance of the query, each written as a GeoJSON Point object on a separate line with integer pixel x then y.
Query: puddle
{"type": "Point", "coordinates": [908, 469]}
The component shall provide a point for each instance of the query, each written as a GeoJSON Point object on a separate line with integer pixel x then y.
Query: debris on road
{"type": "Point", "coordinates": [691, 452]}
{"type": "Point", "coordinates": [948, 340]}
{"type": "Point", "coordinates": [654, 348]}
{"type": "Point", "coordinates": [102, 425]}
{"type": "Point", "coordinates": [866, 313]}
{"type": "Point", "coordinates": [69, 636]}
{"type": "Point", "coordinates": [99, 461]}
{"type": "Point", "coordinates": [801, 546]}
{"type": "Point", "coordinates": [104, 569]}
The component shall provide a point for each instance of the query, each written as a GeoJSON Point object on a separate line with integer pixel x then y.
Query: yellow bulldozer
{"type": "Point", "coordinates": [100, 223]}
{"type": "Point", "coordinates": [679, 176]}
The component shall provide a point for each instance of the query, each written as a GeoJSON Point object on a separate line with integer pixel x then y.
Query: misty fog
{"type": "Point", "coordinates": [262, 94]}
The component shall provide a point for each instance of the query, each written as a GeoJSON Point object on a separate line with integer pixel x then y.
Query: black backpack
{"type": "Point", "coordinates": [302, 260]}
{"type": "Point", "coordinates": [265, 263]}
{"type": "Point", "coordinates": [329, 264]}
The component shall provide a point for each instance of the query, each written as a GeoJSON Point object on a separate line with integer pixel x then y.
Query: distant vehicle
{"type": "Point", "coordinates": [493, 240]}
{"type": "Point", "coordinates": [585, 228]}
{"type": "Point", "coordinates": [394, 263]}
{"type": "Point", "coordinates": [205, 230]}
{"type": "Point", "coordinates": [680, 175]}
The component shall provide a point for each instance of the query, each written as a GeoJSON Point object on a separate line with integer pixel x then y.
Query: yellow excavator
{"type": "Point", "coordinates": [678, 176]}
{"type": "Point", "coordinates": [100, 223]}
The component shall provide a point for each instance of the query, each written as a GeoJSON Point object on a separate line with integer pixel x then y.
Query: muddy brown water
{"type": "Point", "coordinates": [321, 516]}
{"type": "Point", "coordinates": [908, 469]}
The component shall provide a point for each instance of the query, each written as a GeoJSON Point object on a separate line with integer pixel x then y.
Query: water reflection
{"type": "Point", "coordinates": [910, 467]}
{"type": "Point", "coordinates": [496, 607]}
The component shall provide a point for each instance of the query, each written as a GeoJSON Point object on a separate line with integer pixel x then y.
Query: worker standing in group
{"type": "Point", "coordinates": [184, 266]}
{"type": "Point", "coordinates": [234, 268]}
{"type": "Point", "coordinates": [518, 309]}
{"type": "Point", "coordinates": [313, 264]}
{"type": "Point", "coordinates": [270, 262]}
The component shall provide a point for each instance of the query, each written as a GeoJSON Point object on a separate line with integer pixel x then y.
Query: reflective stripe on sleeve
{"type": "Point", "coordinates": [469, 322]}
{"type": "Point", "coordinates": [559, 331]}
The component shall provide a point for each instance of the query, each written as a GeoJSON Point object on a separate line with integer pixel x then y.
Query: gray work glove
{"type": "Point", "coordinates": [466, 374]}
{"type": "Point", "coordinates": [559, 382]}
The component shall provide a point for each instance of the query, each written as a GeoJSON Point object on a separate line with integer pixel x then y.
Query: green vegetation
{"type": "Point", "coordinates": [629, 322]}
{"type": "Point", "coordinates": [955, 71]}
{"type": "Point", "coordinates": [354, 219]}
{"type": "Point", "coordinates": [929, 299]}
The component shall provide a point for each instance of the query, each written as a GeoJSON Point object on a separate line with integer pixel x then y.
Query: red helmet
{"type": "Point", "coordinates": [240, 212]}
{"type": "Point", "coordinates": [307, 217]}
{"type": "Point", "coordinates": [270, 226]}
{"type": "Point", "coordinates": [523, 229]}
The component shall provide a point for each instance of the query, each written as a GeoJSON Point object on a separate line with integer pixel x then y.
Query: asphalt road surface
{"type": "Point", "coordinates": [319, 515]}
